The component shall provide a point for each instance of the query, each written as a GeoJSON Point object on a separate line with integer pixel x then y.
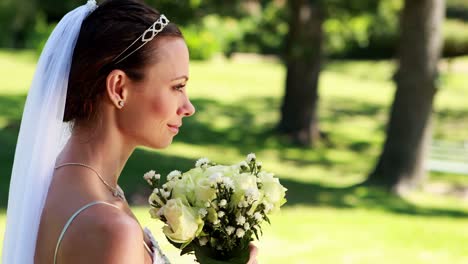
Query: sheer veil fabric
{"type": "Point", "coordinates": [41, 137]}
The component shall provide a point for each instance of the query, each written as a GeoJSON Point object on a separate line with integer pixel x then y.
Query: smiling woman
{"type": "Point", "coordinates": [114, 76]}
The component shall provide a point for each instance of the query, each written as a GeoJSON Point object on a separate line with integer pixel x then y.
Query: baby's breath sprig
{"type": "Point", "coordinates": [152, 178]}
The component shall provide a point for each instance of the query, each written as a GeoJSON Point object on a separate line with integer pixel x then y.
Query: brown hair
{"type": "Point", "coordinates": [104, 34]}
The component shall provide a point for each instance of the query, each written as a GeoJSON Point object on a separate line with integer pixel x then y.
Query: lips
{"type": "Point", "coordinates": [174, 128]}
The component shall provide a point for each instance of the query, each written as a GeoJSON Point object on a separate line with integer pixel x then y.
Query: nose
{"type": "Point", "coordinates": [187, 109]}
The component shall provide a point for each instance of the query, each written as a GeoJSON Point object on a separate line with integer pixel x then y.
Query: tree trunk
{"type": "Point", "coordinates": [401, 164]}
{"type": "Point", "coordinates": [303, 60]}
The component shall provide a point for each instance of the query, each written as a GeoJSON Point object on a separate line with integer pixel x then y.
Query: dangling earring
{"type": "Point", "coordinates": [121, 103]}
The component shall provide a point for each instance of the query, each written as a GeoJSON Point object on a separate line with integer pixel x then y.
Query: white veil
{"type": "Point", "coordinates": [41, 137]}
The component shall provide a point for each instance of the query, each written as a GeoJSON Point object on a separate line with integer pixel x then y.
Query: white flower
{"type": "Point", "coordinates": [156, 190]}
{"type": "Point", "coordinates": [228, 182]}
{"type": "Point", "coordinates": [258, 216]}
{"type": "Point", "coordinates": [216, 177]}
{"type": "Point", "coordinates": [218, 247]}
{"type": "Point", "coordinates": [150, 174]}
{"type": "Point", "coordinates": [251, 157]}
{"type": "Point", "coordinates": [221, 214]}
{"type": "Point", "coordinates": [166, 194]}
{"type": "Point", "coordinates": [207, 204]}
{"type": "Point", "coordinates": [201, 163]}
{"type": "Point", "coordinates": [230, 229]}
{"type": "Point", "coordinates": [243, 165]}
{"type": "Point", "coordinates": [164, 186]}
{"type": "Point", "coordinates": [252, 193]}
{"type": "Point", "coordinates": [240, 220]}
{"type": "Point", "coordinates": [203, 241]}
{"type": "Point", "coordinates": [240, 232]}
{"type": "Point", "coordinates": [216, 222]}
{"type": "Point", "coordinates": [202, 212]}
{"type": "Point", "coordinates": [183, 221]}
{"type": "Point", "coordinates": [173, 174]}
{"type": "Point", "coordinates": [155, 199]}
{"type": "Point", "coordinates": [246, 226]}
{"type": "Point", "coordinates": [223, 203]}
{"type": "Point", "coordinates": [268, 207]}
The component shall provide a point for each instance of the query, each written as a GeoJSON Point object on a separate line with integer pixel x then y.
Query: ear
{"type": "Point", "coordinates": [117, 87]}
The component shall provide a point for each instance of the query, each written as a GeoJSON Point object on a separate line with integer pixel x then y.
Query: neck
{"type": "Point", "coordinates": [105, 150]}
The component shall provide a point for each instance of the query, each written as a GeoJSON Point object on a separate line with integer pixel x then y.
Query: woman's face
{"type": "Point", "coordinates": [153, 113]}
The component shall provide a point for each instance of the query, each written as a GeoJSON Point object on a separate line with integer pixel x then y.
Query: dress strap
{"type": "Point", "coordinates": [71, 220]}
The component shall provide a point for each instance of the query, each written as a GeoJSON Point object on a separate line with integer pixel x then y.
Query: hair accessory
{"type": "Point", "coordinates": [146, 37]}
{"type": "Point", "coordinates": [91, 5]}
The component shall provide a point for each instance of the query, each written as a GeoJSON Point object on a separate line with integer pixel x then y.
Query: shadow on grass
{"type": "Point", "coordinates": [244, 130]}
{"type": "Point", "coordinates": [358, 196]}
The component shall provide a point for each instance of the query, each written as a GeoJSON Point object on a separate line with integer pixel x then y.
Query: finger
{"type": "Point", "coordinates": [253, 254]}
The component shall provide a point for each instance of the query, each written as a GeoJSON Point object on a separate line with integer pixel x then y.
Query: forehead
{"type": "Point", "coordinates": [172, 59]}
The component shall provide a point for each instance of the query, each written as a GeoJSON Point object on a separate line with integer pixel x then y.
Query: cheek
{"type": "Point", "coordinates": [161, 109]}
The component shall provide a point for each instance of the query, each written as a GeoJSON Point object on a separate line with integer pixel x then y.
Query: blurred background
{"type": "Point", "coordinates": [360, 107]}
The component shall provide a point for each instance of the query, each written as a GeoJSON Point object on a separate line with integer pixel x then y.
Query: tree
{"type": "Point", "coordinates": [303, 60]}
{"type": "Point", "coordinates": [401, 163]}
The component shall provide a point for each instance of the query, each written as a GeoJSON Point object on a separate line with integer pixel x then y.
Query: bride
{"type": "Point", "coordinates": [110, 78]}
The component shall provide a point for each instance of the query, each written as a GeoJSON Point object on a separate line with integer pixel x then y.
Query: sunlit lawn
{"type": "Point", "coordinates": [327, 219]}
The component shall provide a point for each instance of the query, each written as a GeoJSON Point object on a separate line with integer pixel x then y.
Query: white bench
{"type": "Point", "coordinates": [446, 156]}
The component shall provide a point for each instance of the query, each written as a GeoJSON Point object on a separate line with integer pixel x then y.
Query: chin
{"type": "Point", "coordinates": [159, 144]}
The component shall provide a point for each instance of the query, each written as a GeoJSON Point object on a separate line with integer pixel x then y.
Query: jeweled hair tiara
{"type": "Point", "coordinates": [146, 37]}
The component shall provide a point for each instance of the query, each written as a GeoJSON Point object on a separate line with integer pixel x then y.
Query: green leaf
{"type": "Point", "coordinates": [186, 250]}
{"type": "Point", "coordinates": [205, 255]}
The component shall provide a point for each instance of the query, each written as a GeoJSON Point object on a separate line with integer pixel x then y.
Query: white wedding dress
{"type": "Point", "coordinates": [153, 249]}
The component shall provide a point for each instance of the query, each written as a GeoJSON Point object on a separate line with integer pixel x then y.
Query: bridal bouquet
{"type": "Point", "coordinates": [215, 210]}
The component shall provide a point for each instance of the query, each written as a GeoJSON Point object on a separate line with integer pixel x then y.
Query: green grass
{"type": "Point", "coordinates": [328, 219]}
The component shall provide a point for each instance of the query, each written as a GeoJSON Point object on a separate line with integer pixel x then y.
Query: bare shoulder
{"type": "Point", "coordinates": [103, 234]}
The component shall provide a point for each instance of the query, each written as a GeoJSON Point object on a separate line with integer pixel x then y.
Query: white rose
{"type": "Point", "coordinates": [242, 183]}
{"type": "Point", "coordinates": [274, 192]}
{"type": "Point", "coordinates": [203, 192]}
{"type": "Point", "coordinates": [183, 222]}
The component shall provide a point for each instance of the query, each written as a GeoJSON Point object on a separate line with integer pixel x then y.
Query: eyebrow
{"type": "Point", "coordinates": [181, 77]}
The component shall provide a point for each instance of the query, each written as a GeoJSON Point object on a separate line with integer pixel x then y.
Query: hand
{"type": "Point", "coordinates": [253, 254]}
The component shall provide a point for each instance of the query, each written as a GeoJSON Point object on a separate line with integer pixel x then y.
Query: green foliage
{"type": "Point", "coordinates": [213, 35]}
{"type": "Point", "coordinates": [7, 15]}
{"type": "Point", "coordinates": [237, 105]}
{"type": "Point", "coordinates": [37, 37]}
{"type": "Point", "coordinates": [455, 37]}
{"type": "Point", "coordinates": [367, 33]}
